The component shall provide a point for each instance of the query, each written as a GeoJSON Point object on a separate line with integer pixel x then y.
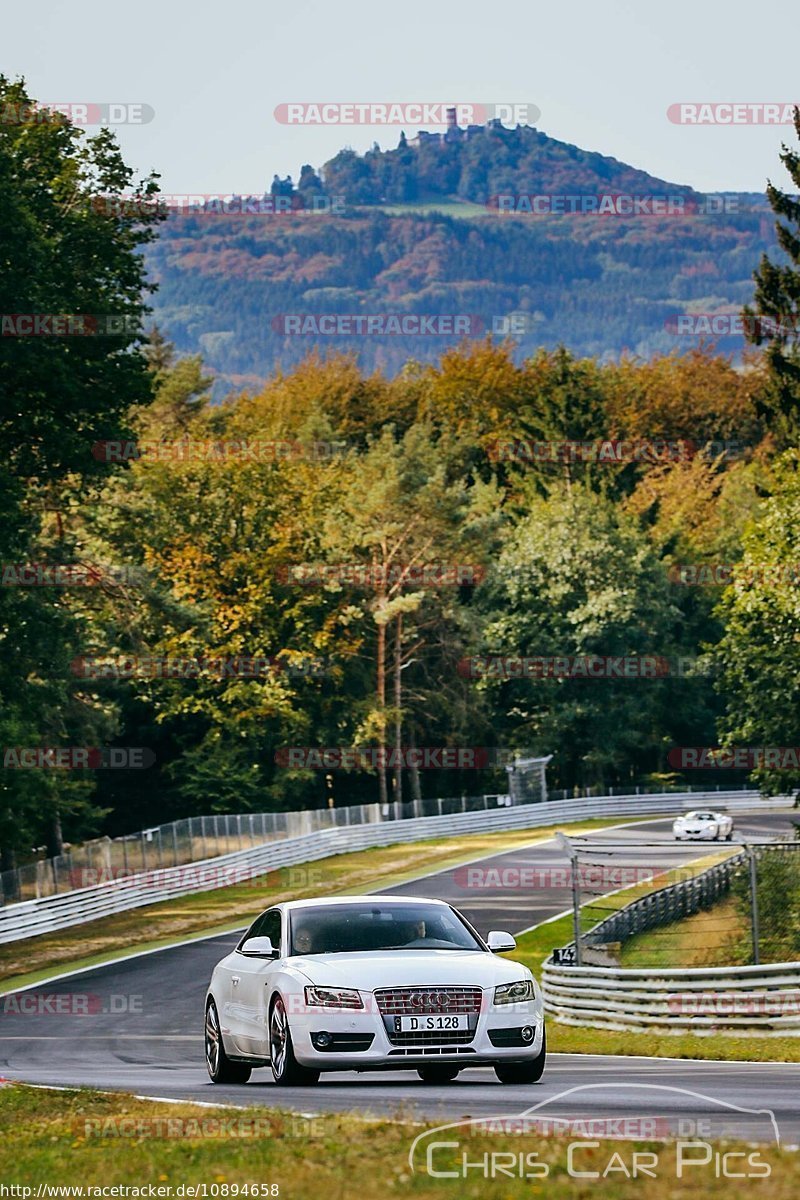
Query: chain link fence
{"type": "Point", "coordinates": [197, 838]}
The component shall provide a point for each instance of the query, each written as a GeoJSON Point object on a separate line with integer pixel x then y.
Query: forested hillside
{"type": "Point", "coordinates": [413, 231]}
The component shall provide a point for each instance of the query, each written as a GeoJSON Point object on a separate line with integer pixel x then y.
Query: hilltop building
{"type": "Point", "coordinates": [452, 133]}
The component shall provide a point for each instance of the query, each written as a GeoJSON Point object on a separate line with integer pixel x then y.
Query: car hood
{"type": "Point", "coordinates": [408, 968]}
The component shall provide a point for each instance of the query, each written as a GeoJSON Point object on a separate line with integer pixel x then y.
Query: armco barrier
{"type": "Point", "coordinates": [762, 1001]}
{"type": "Point", "coordinates": [34, 917]}
{"type": "Point", "coordinates": [667, 904]}
{"type": "Point", "coordinates": [677, 900]}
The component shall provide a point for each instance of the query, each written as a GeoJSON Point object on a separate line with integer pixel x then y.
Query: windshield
{"type": "Point", "coordinates": [700, 816]}
{"type": "Point", "coordinates": [372, 926]}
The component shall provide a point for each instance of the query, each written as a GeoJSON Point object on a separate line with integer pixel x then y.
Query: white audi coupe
{"type": "Point", "coordinates": [361, 983]}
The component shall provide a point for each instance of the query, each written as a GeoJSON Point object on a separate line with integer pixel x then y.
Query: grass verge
{"type": "Point", "coordinates": [716, 937]}
{"type": "Point", "coordinates": [228, 908]}
{"type": "Point", "coordinates": [88, 1139]}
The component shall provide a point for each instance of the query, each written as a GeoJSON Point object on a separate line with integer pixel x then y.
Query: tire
{"type": "Point", "coordinates": [437, 1073]}
{"type": "Point", "coordinates": [220, 1068]}
{"type": "Point", "coordinates": [729, 836]}
{"type": "Point", "coordinates": [529, 1072]}
{"type": "Point", "coordinates": [286, 1070]}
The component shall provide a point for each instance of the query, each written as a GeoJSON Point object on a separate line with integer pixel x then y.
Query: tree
{"type": "Point", "coordinates": [576, 577]}
{"type": "Point", "coordinates": [759, 652]}
{"type": "Point", "coordinates": [774, 319]}
{"type": "Point", "coordinates": [399, 509]}
{"type": "Point", "coordinates": [67, 250]}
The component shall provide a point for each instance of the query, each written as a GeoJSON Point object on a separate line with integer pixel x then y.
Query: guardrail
{"type": "Point", "coordinates": [49, 914]}
{"type": "Point", "coordinates": [672, 903]}
{"type": "Point", "coordinates": [759, 1001]}
{"type": "Point", "coordinates": [195, 839]}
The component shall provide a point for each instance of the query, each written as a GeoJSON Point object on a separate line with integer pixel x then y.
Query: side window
{"type": "Point", "coordinates": [271, 928]}
{"type": "Point", "coordinates": [267, 925]}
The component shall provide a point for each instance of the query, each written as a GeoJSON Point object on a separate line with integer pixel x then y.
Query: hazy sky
{"type": "Point", "coordinates": [602, 74]}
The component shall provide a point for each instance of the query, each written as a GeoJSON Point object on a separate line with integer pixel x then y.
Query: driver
{"type": "Point", "coordinates": [302, 940]}
{"type": "Point", "coordinates": [415, 932]}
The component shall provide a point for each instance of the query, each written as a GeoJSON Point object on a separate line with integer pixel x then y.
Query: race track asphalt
{"type": "Point", "coordinates": [142, 1032]}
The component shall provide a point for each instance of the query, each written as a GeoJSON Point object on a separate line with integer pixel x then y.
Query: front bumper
{"type": "Point", "coordinates": [697, 835]}
{"type": "Point", "coordinates": [363, 1039]}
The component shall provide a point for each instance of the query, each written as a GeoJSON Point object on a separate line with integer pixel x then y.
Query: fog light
{"type": "Point", "coordinates": [323, 1039]}
{"type": "Point", "coordinates": [527, 1033]}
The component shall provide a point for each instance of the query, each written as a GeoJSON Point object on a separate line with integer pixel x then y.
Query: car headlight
{"type": "Point", "coordinates": [333, 997]}
{"type": "Point", "coordinates": [513, 993]}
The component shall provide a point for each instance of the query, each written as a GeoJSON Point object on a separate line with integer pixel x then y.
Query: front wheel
{"type": "Point", "coordinates": [437, 1074]}
{"type": "Point", "coordinates": [529, 1072]}
{"type": "Point", "coordinates": [220, 1067]}
{"type": "Point", "coordinates": [286, 1070]}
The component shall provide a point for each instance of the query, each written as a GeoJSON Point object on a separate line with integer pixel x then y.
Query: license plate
{"type": "Point", "coordinates": [431, 1023]}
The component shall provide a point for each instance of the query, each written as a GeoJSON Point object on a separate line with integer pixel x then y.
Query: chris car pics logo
{"type": "Point", "coordinates": [689, 1126]}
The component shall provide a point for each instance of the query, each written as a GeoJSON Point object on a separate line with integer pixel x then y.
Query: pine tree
{"type": "Point", "coordinates": [773, 320]}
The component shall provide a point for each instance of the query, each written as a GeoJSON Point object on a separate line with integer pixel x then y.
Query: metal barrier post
{"type": "Point", "coordinates": [754, 903]}
{"type": "Point", "coordinates": [567, 846]}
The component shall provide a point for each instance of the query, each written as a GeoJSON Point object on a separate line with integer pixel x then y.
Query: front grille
{"type": "Point", "coordinates": [411, 1001]}
{"type": "Point", "coordinates": [431, 1037]}
{"type": "Point", "coordinates": [434, 1050]}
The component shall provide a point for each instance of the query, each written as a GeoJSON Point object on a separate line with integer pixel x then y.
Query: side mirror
{"type": "Point", "coordinates": [260, 947]}
{"type": "Point", "coordinates": [499, 941]}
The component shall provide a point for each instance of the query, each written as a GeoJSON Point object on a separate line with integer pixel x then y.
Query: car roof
{"type": "Point", "coordinates": [335, 901]}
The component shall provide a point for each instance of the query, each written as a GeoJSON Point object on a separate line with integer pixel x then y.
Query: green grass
{"type": "Point", "coordinates": [448, 208]}
{"type": "Point", "coordinates": [716, 937]}
{"type": "Point", "coordinates": [89, 1139]}
{"type": "Point", "coordinates": [225, 909]}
